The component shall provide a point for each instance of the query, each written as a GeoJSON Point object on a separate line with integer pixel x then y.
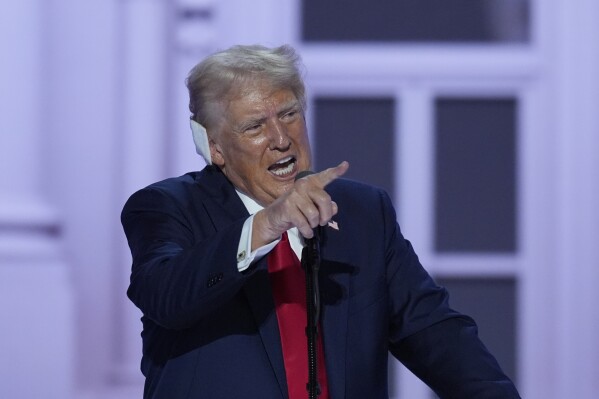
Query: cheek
{"type": "Point", "coordinates": [304, 145]}
{"type": "Point", "coordinates": [253, 147]}
{"type": "Point", "coordinates": [246, 150]}
{"type": "Point", "coordinates": [258, 140]}
{"type": "Point", "coordinates": [247, 157]}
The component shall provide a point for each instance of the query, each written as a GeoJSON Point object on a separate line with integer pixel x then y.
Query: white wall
{"type": "Point", "coordinates": [36, 292]}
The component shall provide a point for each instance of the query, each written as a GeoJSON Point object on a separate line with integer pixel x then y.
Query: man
{"type": "Point", "coordinates": [213, 295]}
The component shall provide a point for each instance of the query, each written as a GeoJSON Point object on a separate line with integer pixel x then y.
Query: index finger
{"type": "Point", "coordinates": [328, 175]}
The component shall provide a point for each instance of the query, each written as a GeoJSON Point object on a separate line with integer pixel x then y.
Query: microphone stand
{"type": "Point", "coordinates": [311, 265]}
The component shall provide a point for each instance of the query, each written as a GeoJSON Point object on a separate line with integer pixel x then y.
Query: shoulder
{"type": "Point", "coordinates": [174, 192]}
{"type": "Point", "coordinates": [182, 188]}
{"type": "Point", "coordinates": [174, 186]}
{"type": "Point", "coordinates": [168, 190]}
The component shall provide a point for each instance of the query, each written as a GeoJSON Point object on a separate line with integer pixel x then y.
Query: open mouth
{"type": "Point", "coordinates": [284, 167]}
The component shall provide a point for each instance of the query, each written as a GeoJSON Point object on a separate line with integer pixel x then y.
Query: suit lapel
{"type": "Point", "coordinates": [259, 293]}
{"type": "Point", "coordinates": [224, 206]}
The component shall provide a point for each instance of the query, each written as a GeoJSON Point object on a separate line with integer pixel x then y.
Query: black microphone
{"type": "Point", "coordinates": [303, 173]}
{"type": "Point", "coordinates": [311, 265]}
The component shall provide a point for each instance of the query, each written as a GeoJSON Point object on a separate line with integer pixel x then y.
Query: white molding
{"type": "Point", "coordinates": [537, 362]}
{"type": "Point", "coordinates": [576, 61]}
{"type": "Point", "coordinates": [25, 212]}
{"type": "Point", "coordinates": [380, 61]}
{"type": "Point", "coordinates": [28, 247]}
{"type": "Point", "coordinates": [35, 289]}
{"type": "Point", "coordinates": [488, 266]}
{"type": "Point", "coordinates": [144, 144]}
{"type": "Point", "coordinates": [143, 93]}
{"type": "Point", "coordinates": [414, 166]}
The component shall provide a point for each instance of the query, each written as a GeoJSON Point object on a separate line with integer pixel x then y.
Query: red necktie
{"type": "Point", "coordinates": [289, 290]}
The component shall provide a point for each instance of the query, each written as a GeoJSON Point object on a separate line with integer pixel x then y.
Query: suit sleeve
{"type": "Point", "coordinates": [438, 344]}
{"type": "Point", "coordinates": [179, 274]}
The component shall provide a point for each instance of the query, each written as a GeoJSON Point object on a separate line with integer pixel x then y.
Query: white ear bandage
{"type": "Point", "coordinates": [200, 138]}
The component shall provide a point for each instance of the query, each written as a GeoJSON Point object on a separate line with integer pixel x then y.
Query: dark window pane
{"type": "Point", "coordinates": [491, 302]}
{"type": "Point", "coordinates": [475, 173]}
{"type": "Point", "coordinates": [415, 21]}
{"type": "Point", "coordinates": [360, 131]}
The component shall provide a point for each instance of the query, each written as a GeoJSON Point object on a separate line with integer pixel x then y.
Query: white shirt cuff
{"type": "Point", "coordinates": [245, 255]}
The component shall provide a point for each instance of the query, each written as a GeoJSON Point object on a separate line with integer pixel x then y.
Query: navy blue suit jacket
{"type": "Point", "coordinates": [210, 331]}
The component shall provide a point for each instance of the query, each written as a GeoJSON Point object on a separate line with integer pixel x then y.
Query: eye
{"type": "Point", "coordinates": [252, 128]}
{"type": "Point", "coordinates": [288, 116]}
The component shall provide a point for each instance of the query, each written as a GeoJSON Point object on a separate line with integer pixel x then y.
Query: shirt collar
{"type": "Point", "coordinates": [251, 205]}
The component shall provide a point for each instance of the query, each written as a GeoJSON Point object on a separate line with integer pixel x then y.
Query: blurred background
{"type": "Point", "coordinates": [479, 117]}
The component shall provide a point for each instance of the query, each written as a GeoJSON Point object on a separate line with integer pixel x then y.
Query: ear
{"type": "Point", "coordinates": [216, 153]}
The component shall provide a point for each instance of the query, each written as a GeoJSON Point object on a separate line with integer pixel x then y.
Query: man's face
{"type": "Point", "coordinates": [261, 142]}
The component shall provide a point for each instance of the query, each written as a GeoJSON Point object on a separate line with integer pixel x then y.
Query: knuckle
{"type": "Point", "coordinates": [312, 213]}
{"type": "Point", "coordinates": [325, 198]}
{"type": "Point", "coordinates": [312, 218]}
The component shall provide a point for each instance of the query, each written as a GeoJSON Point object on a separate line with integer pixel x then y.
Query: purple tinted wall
{"type": "Point", "coordinates": [87, 103]}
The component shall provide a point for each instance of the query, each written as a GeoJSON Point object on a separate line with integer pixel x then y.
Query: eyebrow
{"type": "Point", "coordinates": [288, 106]}
{"type": "Point", "coordinates": [283, 109]}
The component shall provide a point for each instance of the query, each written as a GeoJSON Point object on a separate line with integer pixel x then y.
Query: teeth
{"type": "Point", "coordinates": [285, 170]}
{"type": "Point", "coordinates": [287, 159]}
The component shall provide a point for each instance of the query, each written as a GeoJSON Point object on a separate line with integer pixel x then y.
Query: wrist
{"type": "Point", "coordinates": [262, 233]}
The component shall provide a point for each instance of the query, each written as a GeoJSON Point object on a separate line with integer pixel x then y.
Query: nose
{"type": "Point", "coordinates": [278, 136]}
